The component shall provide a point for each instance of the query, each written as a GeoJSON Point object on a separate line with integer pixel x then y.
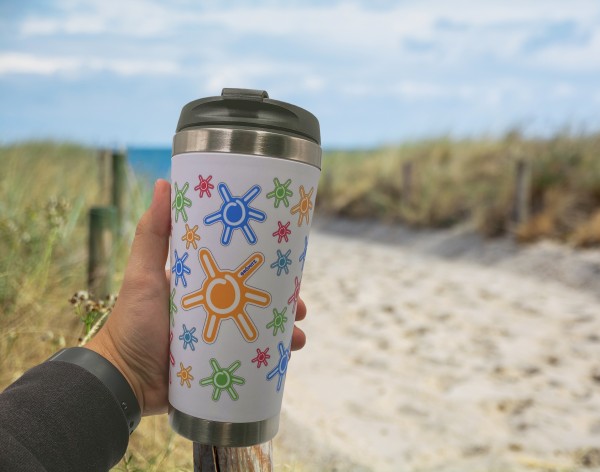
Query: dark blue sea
{"type": "Point", "coordinates": [150, 163]}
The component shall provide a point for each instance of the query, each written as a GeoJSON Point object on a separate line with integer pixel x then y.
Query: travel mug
{"type": "Point", "coordinates": [244, 179]}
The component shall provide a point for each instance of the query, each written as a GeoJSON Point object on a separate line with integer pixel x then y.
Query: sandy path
{"type": "Point", "coordinates": [419, 362]}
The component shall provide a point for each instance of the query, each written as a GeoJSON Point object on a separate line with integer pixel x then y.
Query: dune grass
{"type": "Point", "coordinates": [473, 181]}
{"type": "Point", "coordinates": [43, 200]}
{"type": "Point", "coordinates": [47, 188]}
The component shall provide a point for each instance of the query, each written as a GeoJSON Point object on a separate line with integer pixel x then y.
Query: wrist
{"type": "Point", "coordinates": [103, 345]}
{"type": "Point", "coordinates": [109, 375]}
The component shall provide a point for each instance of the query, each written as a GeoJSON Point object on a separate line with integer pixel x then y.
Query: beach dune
{"type": "Point", "coordinates": [440, 351]}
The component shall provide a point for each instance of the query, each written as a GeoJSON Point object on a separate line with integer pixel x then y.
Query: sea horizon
{"type": "Point", "coordinates": [150, 162]}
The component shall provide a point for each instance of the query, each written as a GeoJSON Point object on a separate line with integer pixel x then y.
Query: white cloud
{"type": "Point", "coordinates": [563, 90]}
{"type": "Point", "coordinates": [127, 67]}
{"type": "Point", "coordinates": [280, 77]}
{"type": "Point", "coordinates": [430, 55]}
{"type": "Point", "coordinates": [496, 28]}
{"type": "Point", "coordinates": [313, 83]}
{"type": "Point", "coordinates": [16, 63]}
{"type": "Point", "coordinates": [491, 29]}
{"type": "Point", "coordinates": [585, 57]}
{"type": "Point", "coordinates": [133, 18]}
{"type": "Point", "coordinates": [76, 24]}
{"type": "Point", "coordinates": [19, 63]}
{"type": "Point", "coordinates": [419, 90]}
{"type": "Point", "coordinates": [495, 93]}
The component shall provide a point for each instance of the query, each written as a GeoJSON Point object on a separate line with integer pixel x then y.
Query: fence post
{"type": "Point", "coordinates": [119, 187]}
{"type": "Point", "coordinates": [406, 189]}
{"type": "Point", "coordinates": [233, 459]}
{"type": "Point", "coordinates": [104, 172]}
{"type": "Point", "coordinates": [100, 257]}
{"type": "Point", "coordinates": [522, 192]}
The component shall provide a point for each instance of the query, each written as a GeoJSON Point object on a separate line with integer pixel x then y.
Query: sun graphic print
{"type": "Point", "coordinates": [188, 338]}
{"type": "Point", "coordinates": [222, 379]}
{"type": "Point", "coordinates": [281, 192]}
{"type": "Point", "coordinates": [262, 357]}
{"type": "Point", "coordinates": [204, 186]}
{"type": "Point", "coordinates": [224, 294]}
{"type": "Point", "coordinates": [172, 307]}
{"type": "Point", "coordinates": [180, 269]}
{"type": "Point", "coordinates": [236, 213]}
{"type": "Point", "coordinates": [180, 202]}
{"type": "Point", "coordinates": [184, 375]}
{"type": "Point", "coordinates": [295, 295]}
{"type": "Point", "coordinates": [278, 322]}
{"type": "Point", "coordinates": [302, 257]}
{"type": "Point", "coordinates": [190, 236]}
{"type": "Point", "coordinates": [304, 206]}
{"type": "Point", "coordinates": [283, 231]}
{"type": "Point", "coordinates": [281, 367]}
{"type": "Point", "coordinates": [282, 261]}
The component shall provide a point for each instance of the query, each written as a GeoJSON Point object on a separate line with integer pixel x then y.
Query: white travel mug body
{"type": "Point", "coordinates": [243, 197]}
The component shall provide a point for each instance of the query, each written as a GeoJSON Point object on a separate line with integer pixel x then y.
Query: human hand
{"type": "Point", "coordinates": [136, 336]}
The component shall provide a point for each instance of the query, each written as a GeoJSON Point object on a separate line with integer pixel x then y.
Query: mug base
{"type": "Point", "coordinates": [223, 434]}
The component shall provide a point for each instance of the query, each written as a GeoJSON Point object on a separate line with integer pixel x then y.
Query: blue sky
{"type": "Point", "coordinates": [117, 72]}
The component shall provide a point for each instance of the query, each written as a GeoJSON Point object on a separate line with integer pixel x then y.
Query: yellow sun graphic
{"type": "Point", "coordinates": [184, 375]}
{"type": "Point", "coordinates": [224, 294]}
{"type": "Point", "coordinates": [190, 236]}
{"type": "Point", "coordinates": [303, 206]}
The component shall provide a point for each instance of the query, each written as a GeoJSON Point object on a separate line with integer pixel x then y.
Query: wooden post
{"type": "Point", "coordinates": [100, 258]}
{"type": "Point", "coordinates": [406, 190]}
{"type": "Point", "coordinates": [104, 166]}
{"type": "Point", "coordinates": [119, 187]}
{"type": "Point", "coordinates": [522, 192]}
{"type": "Point", "coordinates": [233, 459]}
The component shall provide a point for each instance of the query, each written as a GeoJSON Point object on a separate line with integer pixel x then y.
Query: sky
{"type": "Point", "coordinates": [375, 72]}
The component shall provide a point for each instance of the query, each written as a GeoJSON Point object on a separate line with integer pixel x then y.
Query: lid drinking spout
{"type": "Point", "coordinates": [247, 94]}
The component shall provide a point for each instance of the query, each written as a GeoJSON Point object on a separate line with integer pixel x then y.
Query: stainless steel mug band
{"type": "Point", "coordinates": [109, 375]}
{"type": "Point", "coordinates": [247, 141]}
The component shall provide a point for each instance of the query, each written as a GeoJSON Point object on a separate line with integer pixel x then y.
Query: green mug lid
{"type": "Point", "coordinates": [249, 108]}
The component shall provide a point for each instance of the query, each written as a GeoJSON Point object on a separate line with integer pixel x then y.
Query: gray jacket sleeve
{"type": "Point", "coordinates": [60, 417]}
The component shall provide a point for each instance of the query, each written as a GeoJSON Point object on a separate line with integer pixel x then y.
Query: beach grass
{"type": "Point", "coordinates": [44, 195]}
{"type": "Point", "coordinates": [47, 188]}
{"type": "Point", "coordinates": [442, 182]}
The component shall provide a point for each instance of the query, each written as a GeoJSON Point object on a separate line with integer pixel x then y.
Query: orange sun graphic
{"type": "Point", "coordinates": [190, 236]}
{"type": "Point", "coordinates": [224, 294]}
{"type": "Point", "coordinates": [304, 205]}
{"type": "Point", "coordinates": [184, 375]}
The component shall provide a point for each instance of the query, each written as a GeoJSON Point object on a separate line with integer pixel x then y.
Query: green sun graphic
{"type": "Point", "coordinates": [181, 201]}
{"type": "Point", "coordinates": [281, 192]}
{"type": "Point", "coordinates": [223, 379]}
{"type": "Point", "coordinates": [278, 322]}
{"type": "Point", "coordinates": [172, 307]}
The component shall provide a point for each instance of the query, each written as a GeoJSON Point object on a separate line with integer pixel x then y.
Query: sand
{"type": "Point", "coordinates": [440, 351]}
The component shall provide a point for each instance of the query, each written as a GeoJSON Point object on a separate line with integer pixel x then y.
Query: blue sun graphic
{"type": "Point", "coordinates": [180, 269]}
{"type": "Point", "coordinates": [303, 255]}
{"type": "Point", "coordinates": [236, 213]}
{"type": "Point", "coordinates": [282, 262]}
{"type": "Point", "coordinates": [281, 367]}
{"type": "Point", "coordinates": [188, 338]}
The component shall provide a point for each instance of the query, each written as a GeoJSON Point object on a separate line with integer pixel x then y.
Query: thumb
{"type": "Point", "coordinates": [151, 242]}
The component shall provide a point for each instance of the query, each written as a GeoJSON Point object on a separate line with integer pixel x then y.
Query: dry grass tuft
{"type": "Point", "coordinates": [439, 183]}
{"type": "Point", "coordinates": [47, 188]}
{"type": "Point", "coordinates": [588, 233]}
